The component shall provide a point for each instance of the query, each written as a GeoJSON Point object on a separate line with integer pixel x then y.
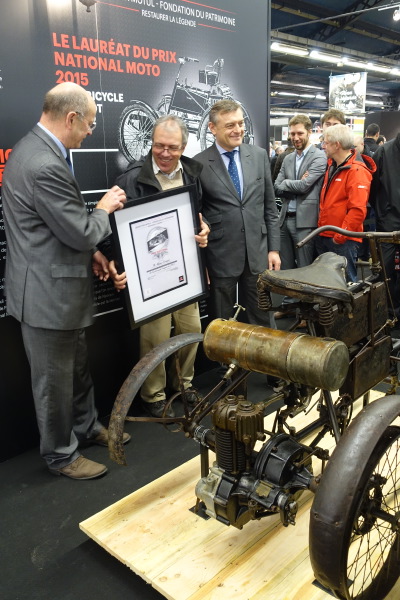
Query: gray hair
{"type": "Point", "coordinates": [341, 134]}
{"type": "Point", "coordinates": [65, 98]}
{"type": "Point", "coordinates": [221, 107]}
{"type": "Point", "coordinates": [165, 119]}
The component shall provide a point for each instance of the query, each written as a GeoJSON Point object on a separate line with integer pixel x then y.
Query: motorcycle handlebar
{"type": "Point", "coordinates": [395, 235]}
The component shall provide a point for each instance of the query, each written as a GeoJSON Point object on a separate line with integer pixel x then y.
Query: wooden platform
{"type": "Point", "coordinates": [183, 556]}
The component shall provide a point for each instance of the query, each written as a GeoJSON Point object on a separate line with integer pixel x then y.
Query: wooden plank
{"type": "Point", "coordinates": [186, 557]}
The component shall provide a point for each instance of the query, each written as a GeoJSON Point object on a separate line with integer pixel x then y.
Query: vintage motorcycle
{"type": "Point", "coordinates": [191, 104]}
{"type": "Point", "coordinates": [354, 537]}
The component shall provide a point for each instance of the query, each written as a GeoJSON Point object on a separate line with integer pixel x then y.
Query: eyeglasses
{"type": "Point", "coordinates": [161, 148]}
{"type": "Point", "coordinates": [91, 126]}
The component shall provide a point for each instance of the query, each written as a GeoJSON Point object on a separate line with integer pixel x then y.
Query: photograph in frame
{"type": "Point", "coordinates": [155, 244]}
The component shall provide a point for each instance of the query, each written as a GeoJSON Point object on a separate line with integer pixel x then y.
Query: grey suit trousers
{"type": "Point", "coordinates": [62, 390]}
{"type": "Point", "coordinates": [225, 291]}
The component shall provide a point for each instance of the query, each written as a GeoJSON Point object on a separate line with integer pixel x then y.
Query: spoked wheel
{"type": "Point", "coordinates": [135, 129]}
{"type": "Point", "coordinates": [132, 385]}
{"type": "Point", "coordinates": [207, 139]}
{"type": "Point", "coordinates": [355, 517]}
{"type": "Point", "coordinates": [164, 104]}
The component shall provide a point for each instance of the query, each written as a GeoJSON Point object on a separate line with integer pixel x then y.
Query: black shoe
{"type": "Point", "coordinates": [193, 396]}
{"type": "Point", "coordinates": [157, 409]}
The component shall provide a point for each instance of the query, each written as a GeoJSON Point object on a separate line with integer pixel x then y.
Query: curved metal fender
{"type": "Point", "coordinates": [333, 500]}
{"type": "Point", "coordinates": [132, 385]}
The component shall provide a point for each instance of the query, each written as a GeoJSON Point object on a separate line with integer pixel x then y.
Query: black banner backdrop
{"type": "Point", "coordinates": [139, 59]}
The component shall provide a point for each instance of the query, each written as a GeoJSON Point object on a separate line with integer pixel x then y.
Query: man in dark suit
{"type": "Point", "coordinates": [385, 199]}
{"type": "Point", "coordinates": [51, 251]}
{"type": "Point", "coordinates": [238, 202]}
{"type": "Point", "coordinates": [299, 183]}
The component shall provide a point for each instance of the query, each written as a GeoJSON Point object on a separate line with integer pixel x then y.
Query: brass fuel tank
{"type": "Point", "coordinates": [298, 357]}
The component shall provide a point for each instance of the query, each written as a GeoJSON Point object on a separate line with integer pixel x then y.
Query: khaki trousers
{"type": "Point", "coordinates": [185, 320]}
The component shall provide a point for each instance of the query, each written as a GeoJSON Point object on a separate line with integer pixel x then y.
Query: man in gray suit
{"type": "Point", "coordinates": [51, 251]}
{"type": "Point", "coordinates": [238, 202]}
{"type": "Point", "coordinates": [299, 184]}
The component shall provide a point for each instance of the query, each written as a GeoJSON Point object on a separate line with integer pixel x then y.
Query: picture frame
{"type": "Point", "coordinates": [155, 246]}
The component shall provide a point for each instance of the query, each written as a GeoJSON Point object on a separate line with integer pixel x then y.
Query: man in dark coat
{"type": "Point", "coordinates": [162, 169]}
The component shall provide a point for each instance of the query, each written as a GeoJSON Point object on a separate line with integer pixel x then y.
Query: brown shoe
{"type": "Point", "coordinates": [302, 324]}
{"type": "Point", "coordinates": [284, 314]}
{"type": "Point", "coordinates": [81, 468]}
{"type": "Point", "coordinates": [101, 438]}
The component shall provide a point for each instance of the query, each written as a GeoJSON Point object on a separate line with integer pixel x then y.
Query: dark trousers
{"type": "Point", "coordinates": [62, 390]}
{"type": "Point", "coordinates": [349, 249]}
{"type": "Point", "coordinates": [226, 291]}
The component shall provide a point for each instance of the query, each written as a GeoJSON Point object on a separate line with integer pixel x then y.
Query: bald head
{"type": "Point", "coordinates": [69, 113]}
{"type": "Point", "coordinates": [65, 98]}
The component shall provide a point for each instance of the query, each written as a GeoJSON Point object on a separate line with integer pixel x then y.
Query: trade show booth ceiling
{"type": "Point", "coordinates": [310, 41]}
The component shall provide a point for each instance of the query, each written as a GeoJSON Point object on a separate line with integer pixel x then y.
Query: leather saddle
{"type": "Point", "coordinates": [322, 281]}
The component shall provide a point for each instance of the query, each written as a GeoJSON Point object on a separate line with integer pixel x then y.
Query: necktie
{"type": "Point", "coordinates": [69, 163]}
{"type": "Point", "coordinates": [233, 171]}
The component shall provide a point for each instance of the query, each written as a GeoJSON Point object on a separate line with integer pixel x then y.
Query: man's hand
{"type": "Point", "coordinates": [100, 266]}
{"type": "Point", "coordinates": [202, 237]}
{"type": "Point", "coordinates": [274, 261]}
{"type": "Point", "coordinates": [113, 200]}
{"type": "Point", "coordinates": [118, 279]}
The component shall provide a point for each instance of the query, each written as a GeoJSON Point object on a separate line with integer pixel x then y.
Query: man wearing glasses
{"type": "Point", "coordinates": [165, 168]}
{"type": "Point", "coordinates": [51, 252]}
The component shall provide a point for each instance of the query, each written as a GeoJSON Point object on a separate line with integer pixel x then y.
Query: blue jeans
{"type": "Point", "coordinates": [349, 249]}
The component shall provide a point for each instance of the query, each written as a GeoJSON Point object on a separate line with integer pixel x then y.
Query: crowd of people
{"type": "Point", "coordinates": [55, 245]}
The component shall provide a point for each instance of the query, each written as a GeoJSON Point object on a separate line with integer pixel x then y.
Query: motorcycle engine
{"type": "Point", "coordinates": [245, 484]}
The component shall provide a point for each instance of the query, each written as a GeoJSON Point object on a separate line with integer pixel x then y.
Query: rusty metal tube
{"type": "Point", "coordinates": [297, 357]}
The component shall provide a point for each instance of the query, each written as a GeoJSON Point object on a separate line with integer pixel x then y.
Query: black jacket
{"type": "Point", "coordinates": [139, 180]}
{"type": "Point", "coordinates": [385, 187]}
{"type": "Point", "coordinates": [371, 144]}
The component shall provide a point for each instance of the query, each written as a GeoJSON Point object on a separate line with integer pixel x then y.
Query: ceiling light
{"type": "Point", "coordinates": [366, 66]}
{"type": "Point", "coordinates": [377, 68]}
{"type": "Point", "coordinates": [289, 49]}
{"type": "Point", "coordinates": [396, 15]}
{"type": "Point", "coordinates": [324, 57]}
{"type": "Point", "coordinates": [302, 85]}
{"type": "Point", "coordinates": [289, 94]}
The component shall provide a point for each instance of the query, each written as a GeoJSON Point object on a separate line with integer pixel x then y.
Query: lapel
{"type": "Point", "coordinates": [246, 163]}
{"type": "Point", "coordinates": [218, 167]}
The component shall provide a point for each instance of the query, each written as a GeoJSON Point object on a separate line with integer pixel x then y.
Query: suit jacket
{"type": "Point", "coordinates": [307, 190]}
{"type": "Point", "coordinates": [50, 237]}
{"type": "Point", "coordinates": [385, 187]}
{"type": "Point", "coordinates": [239, 227]}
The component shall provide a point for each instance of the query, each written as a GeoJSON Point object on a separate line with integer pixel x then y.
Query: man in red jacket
{"type": "Point", "coordinates": [344, 195]}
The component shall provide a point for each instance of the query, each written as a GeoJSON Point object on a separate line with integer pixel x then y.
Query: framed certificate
{"type": "Point", "coordinates": [154, 239]}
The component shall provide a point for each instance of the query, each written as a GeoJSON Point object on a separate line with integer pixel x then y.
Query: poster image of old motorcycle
{"type": "Point", "coordinates": [139, 59]}
{"type": "Point", "coordinates": [192, 104]}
